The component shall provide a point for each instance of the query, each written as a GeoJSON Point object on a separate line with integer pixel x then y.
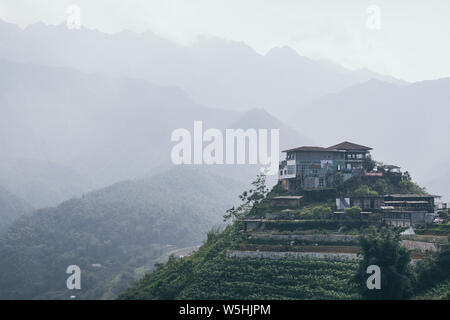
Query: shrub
{"type": "Point", "coordinates": [364, 190]}
{"type": "Point", "coordinates": [382, 248]}
{"type": "Point", "coordinates": [434, 270]}
{"type": "Point", "coordinates": [322, 212]}
{"type": "Point", "coordinates": [352, 213]}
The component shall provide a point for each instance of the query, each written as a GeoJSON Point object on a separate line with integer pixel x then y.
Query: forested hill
{"type": "Point", "coordinates": [113, 234]}
{"type": "Point", "coordinates": [307, 252]}
{"type": "Point", "coordinates": [11, 207]}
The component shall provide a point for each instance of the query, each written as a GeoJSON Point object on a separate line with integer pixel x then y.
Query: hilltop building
{"type": "Point", "coordinates": [443, 206]}
{"type": "Point", "coordinates": [315, 168]}
{"type": "Point", "coordinates": [404, 210]}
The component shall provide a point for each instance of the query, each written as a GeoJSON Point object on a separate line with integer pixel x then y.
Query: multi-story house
{"type": "Point", "coordinates": [310, 168]}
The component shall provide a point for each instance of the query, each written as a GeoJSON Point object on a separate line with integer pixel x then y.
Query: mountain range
{"type": "Point", "coordinates": [215, 72]}
{"type": "Point", "coordinates": [90, 130]}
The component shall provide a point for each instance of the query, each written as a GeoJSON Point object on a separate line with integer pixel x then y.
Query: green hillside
{"type": "Point", "coordinates": [269, 279]}
{"type": "Point", "coordinates": [307, 254]}
{"type": "Point", "coordinates": [114, 234]}
{"type": "Point", "coordinates": [210, 274]}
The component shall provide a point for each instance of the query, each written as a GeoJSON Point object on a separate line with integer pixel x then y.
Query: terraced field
{"type": "Point", "coordinates": [233, 278]}
{"type": "Point", "coordinates": [278, 248]}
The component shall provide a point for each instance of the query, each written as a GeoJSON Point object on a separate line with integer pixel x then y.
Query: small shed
{"type": "Point", "coordinates": [292, 202]}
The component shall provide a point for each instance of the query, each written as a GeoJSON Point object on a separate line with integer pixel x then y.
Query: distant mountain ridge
{"type": "Point", "coordinates": [11, 207]}
{"type": "Point", "coordinates": [215, 72]}
{"type": "Point", "coordinates": [41, 183]}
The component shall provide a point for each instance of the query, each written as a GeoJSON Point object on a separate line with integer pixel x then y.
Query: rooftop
{"type": "Point", "coordinates": [336, 148]}
{"type": "Point", "coordinates": [406, 202]}
{"type": "Point", "coordinates": [390, 166]}
{"type": "Point", "coordinates": [396, 196]}
{"type": "Point", "coordinates": [349, 146]}
{"type": "Point", "coordinates": [288, 197]}
{"type": "Point", "coordinates": [309, 148]}
{"type": "Point", "coordinates": [419, 195]}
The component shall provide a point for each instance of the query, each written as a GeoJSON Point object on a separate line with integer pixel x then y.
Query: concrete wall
{"type": "Point", "coordinates": [309, 237]}
{"type": "Point", "coordinates": [398, 222]}
{"type": "Point", "coordinates": [291, 203]}
{"type": "Point", "coordinates": [419, 245]}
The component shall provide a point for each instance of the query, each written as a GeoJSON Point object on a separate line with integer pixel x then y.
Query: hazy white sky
{"type": "Point", "coordinates": [413, 42]}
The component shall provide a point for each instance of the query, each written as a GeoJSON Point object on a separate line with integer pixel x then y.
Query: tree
{"type": "Point", "coordinates": [434, 270]}
{"type": "Point", "coordinates": [250, 199]}
{"type": "Point", "coordinates": [443, 214]}
{"type": "Point", "coordinates": [383, 187]}
{"type": "Point", "coordinates": [213, 234]}
{"type": "Point", "coordinates": [406, 176]}
{"type": "Point", "coordinates": [364, 190]}
{"type": "Point", "coordinates": [369, 164]}
{"type": "Point", "coordinates": [353, 212]}
{"type": "Point", "coordinates": [338, 179]}
{"type": "Point", "coordinates": [322, 212]}
{"type": "Point", "coordinates": [382, 248]}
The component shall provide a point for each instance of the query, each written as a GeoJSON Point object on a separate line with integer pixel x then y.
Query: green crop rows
{"type": "Point", "coordinates": [229, 278]}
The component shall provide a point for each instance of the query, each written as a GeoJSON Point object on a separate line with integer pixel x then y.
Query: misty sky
{"type": "Point", "coordinates": [412, 42]}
